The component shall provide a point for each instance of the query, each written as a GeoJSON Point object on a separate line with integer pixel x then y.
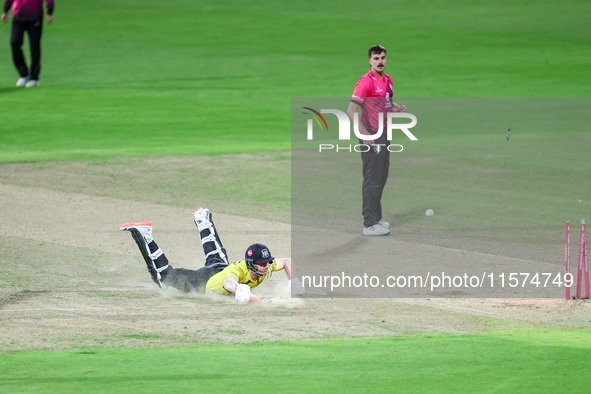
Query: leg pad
{"type": "Point", "coordinates": [156, 265]}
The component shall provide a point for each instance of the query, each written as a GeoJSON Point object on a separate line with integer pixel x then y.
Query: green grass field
{"type": "Point", "coordinates": [411, 364]}
{"type": "Point", "coordinates": [140, 77]}
{"type": "Point", "coordinates": [129, 79]}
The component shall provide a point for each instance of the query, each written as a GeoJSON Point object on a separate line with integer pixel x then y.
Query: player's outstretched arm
{"type": "Point", "coordinates": [230, 283]}
{"type": "Point", "coordinates": [284, 264]}
{"type": "Point", "coordinates": [298, 288]}
{"type": "Point", "coordinates": [241, 291]}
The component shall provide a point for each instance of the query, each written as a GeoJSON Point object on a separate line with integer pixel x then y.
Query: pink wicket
{"type": "Point", "coordinates": [583, 268]}
{"type": "Point", "coordinates": [567, 257]}
{"type": "Point", "coordinates": [586, 266]}
{"type": "Point", "coordinates": [581, 255]}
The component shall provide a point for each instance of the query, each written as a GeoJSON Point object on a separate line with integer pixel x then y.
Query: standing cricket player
{"type": "Point", "coordinates": [27, 16]}
{"type": "Point", "coordinates": [373, 94]}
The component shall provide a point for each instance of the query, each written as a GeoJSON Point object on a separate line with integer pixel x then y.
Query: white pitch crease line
{"type": "Point", "coordinates": [91, 309]}
{"type": "Point", "coordinates": [86, 318]}
{"type": "Point", "coordinates": [485, 254]}
{"type": "Point", "coordinates": [108, 322]}
{"type": "Point", "coordinates": [466, 309]}
{"type": "Point", "coordinates": [441, 247]}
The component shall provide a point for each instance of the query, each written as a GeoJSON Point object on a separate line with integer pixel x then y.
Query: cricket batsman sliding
{"type": "Point", "coordinates": [218, 275]}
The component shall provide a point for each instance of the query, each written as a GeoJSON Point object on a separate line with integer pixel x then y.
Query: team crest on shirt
{"type": "Point", "coordinates": [378, 89]}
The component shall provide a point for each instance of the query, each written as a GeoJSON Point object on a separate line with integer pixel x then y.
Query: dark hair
{"type": "Point", "coordinates": [376, 49]}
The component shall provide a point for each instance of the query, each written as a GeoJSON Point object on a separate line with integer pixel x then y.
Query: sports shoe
{"type": "Point", "coordinates": [385, 225]}
{"type": "Point", "coordinates": [33, 83]}
{"type": "Point", "coordinates": [376, 229]}
{"type": "Point", "coordinates": [145, 229]}
{"type": "Point", "coordinates": [22, 81]}
{"type": "Point", "coordinates": [200, 213]}
{"type": "Point", "coordinates": [202, 218]}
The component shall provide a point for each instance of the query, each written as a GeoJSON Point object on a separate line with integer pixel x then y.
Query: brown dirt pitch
{"type": "Point", "coordinates": [71, 281]}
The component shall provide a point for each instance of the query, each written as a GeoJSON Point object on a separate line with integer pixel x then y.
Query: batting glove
{"type": "Point", "coordinates": [242, 294]}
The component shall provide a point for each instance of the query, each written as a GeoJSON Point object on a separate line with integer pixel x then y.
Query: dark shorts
{"type": "Point", "coordinates": [189, 280]}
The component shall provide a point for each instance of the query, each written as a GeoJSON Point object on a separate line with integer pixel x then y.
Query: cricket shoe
{"type": "Point", "coordinates": [21, 82]}
{"type": "Point", "coordinates": [376, 229]}
{"type": "Point", "coordinates": [201, 213]}
{"type": "Point", "coordinates": [144, 228]}
{"type": "Point", "coordinates": [202, 218]}
{"type": "Point", "coordinates": [33, 83]}
{"type": "Point", "coordinates": [385, 225]}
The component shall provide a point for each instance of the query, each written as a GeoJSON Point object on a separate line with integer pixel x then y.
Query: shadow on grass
{"type": "Point", "coordinates": [9, 90]}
